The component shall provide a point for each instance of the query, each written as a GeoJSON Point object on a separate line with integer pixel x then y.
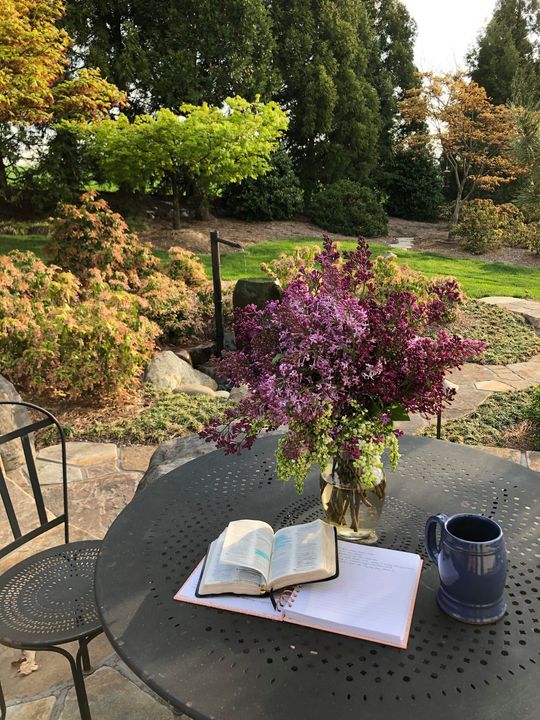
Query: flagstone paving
{"type": "Point", "coordinates": [102, 480]}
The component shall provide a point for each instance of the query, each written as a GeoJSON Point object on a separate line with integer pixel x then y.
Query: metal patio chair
{"type": "Point", "coordinates": [47, 600]}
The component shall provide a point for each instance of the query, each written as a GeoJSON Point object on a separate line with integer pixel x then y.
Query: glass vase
{"type": "Point", "coordinates": [354, 511]}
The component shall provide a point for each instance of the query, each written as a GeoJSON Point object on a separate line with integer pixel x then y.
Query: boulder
{"type": "Point", "coordinates": [194, 390]}
{"type": "Point", "coordinates": [222, 394]}
{"type": "Point", "coordinates": [174, 453]}
{"type": "Point", "coordinates": [184, 355]}
{"type": "Point", "coordinates": [257, 292]}
{"type": "Point", "coordinates": [238, 393]}
{"type": "Point", "coordinates": [11, 418]}
{"type": "Point", "coordinates": [201, 354]}
{"type": "Point", "coordinates": [168, 371]}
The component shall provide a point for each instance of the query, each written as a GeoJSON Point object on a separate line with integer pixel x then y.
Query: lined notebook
{"type": "Point", "coordinates": [372, 599]}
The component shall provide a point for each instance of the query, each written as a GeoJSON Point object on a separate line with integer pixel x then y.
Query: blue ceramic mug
{"type": "Point", "coordinates": [471, 558]}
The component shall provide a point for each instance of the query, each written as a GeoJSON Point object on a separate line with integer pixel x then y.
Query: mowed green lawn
{"type": "Point", "coordinates": [477, 277]}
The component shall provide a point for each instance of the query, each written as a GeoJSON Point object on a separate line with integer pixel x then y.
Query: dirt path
{"type": "Point", "coordinates": [428, 237]}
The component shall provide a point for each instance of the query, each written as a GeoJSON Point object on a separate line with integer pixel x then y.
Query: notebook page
{"type": "Point", "coordinates": [373, 597]}
{"type": "Point", "coordinates": [259, 606]}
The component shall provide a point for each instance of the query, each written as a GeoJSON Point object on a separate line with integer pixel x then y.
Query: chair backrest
{"type": "Point", "coordinates": [24, 435]}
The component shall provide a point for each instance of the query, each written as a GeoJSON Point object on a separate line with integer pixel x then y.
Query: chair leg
{"type": "Point", "coordinates": [78, 680]}
{"type": "Point", "coordinates": [85, 657]}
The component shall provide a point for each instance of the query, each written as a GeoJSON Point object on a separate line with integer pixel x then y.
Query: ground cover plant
{"type": "Point", "coordinates": [503, 420]}
{"type": "Point", "coordinates": [510, 339]}
{"type": "Point", "coordinates": [157, 416]}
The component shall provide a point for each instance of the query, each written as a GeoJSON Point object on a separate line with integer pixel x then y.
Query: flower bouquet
{"type": "Point", "coordinates": [337, 364]}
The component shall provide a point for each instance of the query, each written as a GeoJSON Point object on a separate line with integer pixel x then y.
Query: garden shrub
{"type": "Point", "coordinates": [533, 411]}
{"type": "Point", "coordinates": [63, 338]}
{"type": "Point", "coordinates": [277, 195]}
{"type": "Point", "coordinates": [91, 235]}
{"type": "Point", "coordinates": [173, 306]}
{"type": "Point", "coordinates": [186, 266]}
{"type": "Point", "coordinates": [413, 183]}
{"type": "Point", "coordinates": [532, 237]}
{"type": "Point", "coordinates": [485, 226]}
{"type": "Point", "coordinates": [285, 268]}
{"type": "Point", "coordinates": [349, 208]}
{"type": "Point", "coordinates": [390, 277]}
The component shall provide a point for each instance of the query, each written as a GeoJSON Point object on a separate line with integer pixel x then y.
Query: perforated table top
{"type": "Point", "coordinates": [217, 664]}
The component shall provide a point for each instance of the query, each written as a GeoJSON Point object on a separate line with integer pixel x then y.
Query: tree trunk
{"type": "Point", "coordinates": [202, 209]}
{"type": "Point", "coordinates": [4, 188]}
{"type": "Point", "coordinates": [177, 218]}
{"type": "Point", "coordinates": [457, 211]}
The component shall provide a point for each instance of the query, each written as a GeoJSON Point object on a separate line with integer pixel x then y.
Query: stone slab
{"type": "Point", "coordinates": [50, 473]}
{"type": "Point", "coordinates": [112, 696]}
{"type": "Point", "coordinates": [533, 460]}
{"type": "Point", "coordinates": [53, 538]}
{"type": "Point", "coordinates": [505, 453]}
{"type": "Point", "coordinates": [470, 373]}
{"type": "Point", "coordinates": [53, 670]}
{"type": "Point", "coordinates": [493, 386]}
{"type": "Point", "coordinates": [25, 510]}
{"type": "Point", "coordinates": [81, 453]}
{"type": "Point", "coordinates": [36, 710]}
{"type": "Point", "coordinates": [136, 457]}
{"type": "Point", "coordinates": [522, 384]}
{"type": "Point", "coordinates": [94, 504]}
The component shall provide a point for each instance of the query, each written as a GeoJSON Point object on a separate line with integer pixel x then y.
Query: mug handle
{"type": "Point", "coordinates": [430, 537]}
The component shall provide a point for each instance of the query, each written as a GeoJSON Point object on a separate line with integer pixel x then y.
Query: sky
{"type": "Point", "coordinates": [446, 30]}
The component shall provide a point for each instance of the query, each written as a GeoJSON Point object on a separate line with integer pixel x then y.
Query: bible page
{"type": "Point", "coordinates": [217, 574]}
{"type": "Point", "coordinates": [259, 606]}
{"type": "Point", "coordinates": [299, 549]}
{"type": "Point", "coordinates": [248, 543]}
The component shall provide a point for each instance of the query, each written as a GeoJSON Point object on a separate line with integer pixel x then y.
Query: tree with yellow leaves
{"type": "Point", "coordinates": [35, 86]}
{"type": "Point", "coordinates": [473, 136]}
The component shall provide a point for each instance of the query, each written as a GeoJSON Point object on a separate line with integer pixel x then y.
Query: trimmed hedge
{"type": "Point", "coordinates": [349, 208]}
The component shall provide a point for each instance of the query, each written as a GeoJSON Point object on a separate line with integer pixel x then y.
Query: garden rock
{"type": "Point", "coordinates": [201, 354]}
{"type": "Point", "coordinates": [194, 390]}
{"type": "Point", "coordinates": [238, 393]}
{"type": "Point", "coordinates": [229, 340]}
{"type": "Point", "coordinates": [169, 372]}
{"type": "Point", "coordinates": [222, 394]}
{"type": "Point", "coordinates": [172, 454]}
{"type": "Point", "coordinates": [184, 355]}
{"type": "Point", "coordinates": [11, 454]}
{"type": "Point", "coordinates": [257, 292]}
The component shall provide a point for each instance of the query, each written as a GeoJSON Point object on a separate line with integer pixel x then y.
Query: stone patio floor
{"type": "Point", "coordinates": [102, 480]}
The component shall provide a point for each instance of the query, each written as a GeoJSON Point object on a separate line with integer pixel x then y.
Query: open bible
{"type": "Point", "coordinates": [248, 558]}
{"type": "Point", "coordinates": [372, 599]}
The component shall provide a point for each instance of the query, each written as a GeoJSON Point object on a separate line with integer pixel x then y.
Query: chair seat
{"type": "Point", "coordinates": [48, 599]}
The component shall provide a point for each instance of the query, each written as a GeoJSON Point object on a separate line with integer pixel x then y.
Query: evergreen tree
{"type": "Point", "coordinates": [392, 69]}
{"type": "Point", "coordinates": [167, 52]}
{"type": "Point", "coordinates": [506, 48]}
{"type": "Point", "coordinates": [322, 53]}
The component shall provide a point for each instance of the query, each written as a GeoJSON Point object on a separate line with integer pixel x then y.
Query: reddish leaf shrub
{"type": "Point", "coordinates": [90, 235]}
{"type": "Point", "coordinates": [173, 306]}
{"type": "Point", "coordinates": [185, 265]}
{"type": "Point", "coordinates": [68, 339]}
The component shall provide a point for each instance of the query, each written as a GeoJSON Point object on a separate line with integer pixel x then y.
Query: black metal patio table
{"type": "Point", "coordinates": [217, 664]}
